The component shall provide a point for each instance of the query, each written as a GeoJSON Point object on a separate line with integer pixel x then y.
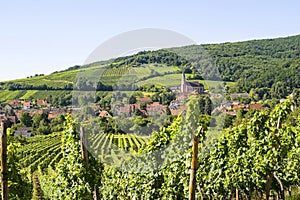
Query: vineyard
{"type": "Point", "coordinates": [108, 147]}
{"type": "Point", "coordinates": [45, 151]}
{"type": "Point", "coordinates": [40, 151]}
{"type": "Point", "coordinates": [257, 159]}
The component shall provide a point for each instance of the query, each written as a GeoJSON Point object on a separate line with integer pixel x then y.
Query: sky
{"type": "Point", "coordinates": [45, 36]}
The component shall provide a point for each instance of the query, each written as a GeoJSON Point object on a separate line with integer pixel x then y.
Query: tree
{"type": "Point", "coordinates": [254, 95]}
{"type": "Point", "coordinates": [168, 111]}
{"type": "Point", "coordinates": [132, 100]}
{"type": "Point", "coordinates": [279, 90]}
{"type": "Point", "coordinates": [239, 116]}
{"type": "Point", "coordinates": [26, 119]}
{"type": "Point", "coordinates": [207, 106]}
{"type": "Point", "coordinates": [228, 120]}
{"type": "Point", "coordinates": [143, 106]}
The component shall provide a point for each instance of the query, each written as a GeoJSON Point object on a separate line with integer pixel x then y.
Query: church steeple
{"type": "Point", "coordinates": [183, 82]}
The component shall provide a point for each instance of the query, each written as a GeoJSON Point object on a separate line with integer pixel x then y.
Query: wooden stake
{"type": "Point", "coordinates": [200, 191]}
{"type": "Point", "coordinates": [192, 186]}
{"type": "Point", "coordinates": [281, 186]}
{"type": "Point", "coordinates": [4, 171]}
{"type": "Point", "coordinates": [95, 192]}
{"type": "Point", "coordinates": [84, 153]}
{"type": "Point", "coordinates": [279, 124]}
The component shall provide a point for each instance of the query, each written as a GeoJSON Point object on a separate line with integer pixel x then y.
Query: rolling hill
{"type": "Point", "coordinates": [252, 64]}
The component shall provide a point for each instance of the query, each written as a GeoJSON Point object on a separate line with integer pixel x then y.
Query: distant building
{"type": "Point", "coordinates": [177, 109]}
{"type": "Point", "coordinates": [42, 103]}
{"type": "Point", "coordinates": [239, 95]}
{"type": "Point", "coordinates": [27, 105]}
{"type": "Point", "coordinates": [255, 106]}
{"type": "Point", "coordinates": [23, 131]}
{"type": "Point", "coordinates": [8, 108]}
{"type": "Point", "coordinates": [155, 108]}
{"type": "Point", "coordinates": [189, 87]}
{"type": "Point", "coordinates": [105, 114]}
{"type": "Point", "coordinates": [15, 103]}
{"type": "Point", "coordinates": [127, 109]}
{"type": "Point", "coordinates": [143, 99]}
{"type": "Point", "coordinates": [175, 89]}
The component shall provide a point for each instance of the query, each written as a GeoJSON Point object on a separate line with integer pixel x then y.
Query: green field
{"type": "Point", "coordinates": [6, 96]}
{"type": "Point", "coordinates": [175, 80]}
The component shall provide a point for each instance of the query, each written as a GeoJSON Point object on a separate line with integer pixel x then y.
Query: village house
{"type": "Point", "coordinates": [231, 107]}
{"type": "Point", "coordinates": [105, 114]}
{"type": "Point", "coordinates": [143, 99]}
{"type": "Point", "coordinates": [73, 110]}
{"type": "Point", "coordinates": [42, 103]}
{"type": "Point", "coordinates": [8, 108]}
{"type": "Point", "coordinates": [27, 105]}
{"type": "Point", "coordinates": [239, 95]}
{"type": "Point", "coordinates": [255, 107]}
{"type": "Point", "coordinates": [53, 113]}
{"type": "Point", "coordinates": [177, 109]}
{"type": "Point", "coordinates": [23, 131]}
{"type": "Point", "coordinates": [127, 109]}
{"type": "Point", "coordinates": [155, 108]}
{"type": "Point", "coordinates": [15, 103]}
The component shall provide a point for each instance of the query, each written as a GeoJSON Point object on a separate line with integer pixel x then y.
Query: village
{"type": "Point", "coordinates": [12, 112]}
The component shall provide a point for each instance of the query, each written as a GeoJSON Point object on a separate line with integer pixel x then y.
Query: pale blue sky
{"type": "Point", "coordinates": [41, 37]}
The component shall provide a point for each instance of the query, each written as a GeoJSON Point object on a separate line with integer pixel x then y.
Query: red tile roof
{"type": "Point", "coordinates": [143, 99]}
{"type": "Point", "coordinates": [104, 113]}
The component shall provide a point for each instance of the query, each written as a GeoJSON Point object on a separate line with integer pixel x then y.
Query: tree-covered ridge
{"type": "Point", "coordinates": [255, 63]}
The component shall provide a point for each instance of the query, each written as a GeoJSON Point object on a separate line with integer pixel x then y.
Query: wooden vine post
{"type": "Point", "coordinates": [84, 152]}
{"type": "Point", "coordinates": [270, 176]}
{"type": "Point", "coordinates": [4, 171]}
{"type": "Point", "coordinates": [85, 157]}
{"type": "Point", "coordinates": [95, 193]}
{"type": "Point", "coordinates": [197, 129]}
{"type": "Point", "coordinates": [192, 186]}
{"type": "Point", "coordinates": [238, 195]}
{"type": "Point", "coordinates": [282, 196]}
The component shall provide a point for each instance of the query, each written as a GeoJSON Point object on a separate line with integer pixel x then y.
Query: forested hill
{"type": "Point", "coordinates": [256, 63]}
{"type": "Point", "coordinates": [252, 64]}
{"type": "Point", "coordinates": [259, 63]}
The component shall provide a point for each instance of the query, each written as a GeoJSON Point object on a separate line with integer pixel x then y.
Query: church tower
{"type": "Point", "coordinates": [183, 87]}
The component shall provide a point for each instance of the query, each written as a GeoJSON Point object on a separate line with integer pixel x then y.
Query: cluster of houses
{"type": "Point", "coordinates": [150, 109]}
{"type": "Point", "coordinates": [231, 107]}
{"type": "Point", "coordinates": [177, 106]}
{"type": "Point", "coordinates": [155, 108]}
{"type": "Point", "coordinates": [12, 112]}
{"type": "Point", "coordinates": [28, 104]}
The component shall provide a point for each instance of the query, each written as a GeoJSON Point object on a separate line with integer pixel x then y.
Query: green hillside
{"type": "Point", "coordinates": [268, 63]}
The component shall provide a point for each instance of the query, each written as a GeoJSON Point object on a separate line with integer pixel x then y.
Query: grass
{"type": "Point", "coordinates": [175, 80]}
{"type": "Point", "coordinates": [6, 96]}
{"type": "Point", "coordinates": [29, 94]}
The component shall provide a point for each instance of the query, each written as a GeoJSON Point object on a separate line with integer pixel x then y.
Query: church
{"type": "Point", "coordinates": [189, 87]}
